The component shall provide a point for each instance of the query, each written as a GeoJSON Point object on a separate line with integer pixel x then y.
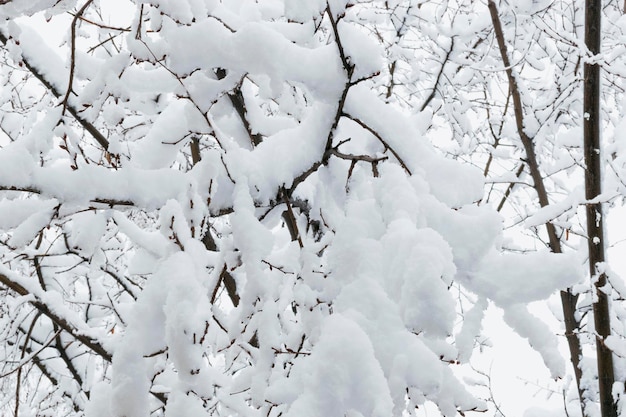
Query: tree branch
{"type": "Point", "coordinates": [89, 127]}
{"type": "Point", "coordinates": [60, 321]}
{"type": "Point", "coordinates": [381, 140]}
{"type": "Point", "coordinates": [568, 300]}
{"type": "Point", "coordinates": [73, 53]}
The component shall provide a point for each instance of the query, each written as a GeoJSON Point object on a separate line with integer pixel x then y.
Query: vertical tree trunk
{"type": "Point", "coordinates": [593, 188]}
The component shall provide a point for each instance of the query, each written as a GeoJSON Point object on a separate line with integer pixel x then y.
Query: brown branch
{"type": "Point", "coordinates": [568, 299]}
{"type": "Point", "coordinates": [381, 140]}
{"type": "Point", "coordinates": [94, 345]}
{"type": "Point", "coordinates": [195, 150]}
{"type": "Point", "coordinates": [239, 104]}
{"type": "Point", "coordinates": [496, 137]}
{"type": "Point", "coordinates": [351, 157]}
{"type": "Point", "coordinates": [59, 343]}
{"type": "Point", "coordinates": [100, 24]}
{"type": "Point", "coordinates": [111, 202]}
{"type": "Point", "coordinates": [392, 71]}
{"type": "Point", "coordinates": [304, 175]}
{"type": "Point", "coordinates": [431, 96]}
{"type": "Point", "coordinates": [96, 46]}
{"type": "Point", "coordinates": [290, 220]}
{"type": "Point", "coordinates": [89, 127]}
{"type": "Point", "coordinates": [119, 280]}
{"type": "Point", "coordinates": [349, 70]}
{"type": "Point", "coordinates": [22, 363]}
{"type": "Point", "coordinates": [348, 67]}
{"type": "Point", "coordinates": [518, 108]}
{"type": "Point", "coordinates": [509, 189]}
{"type": "Point", "coordinates": [209, 243]}
{"type": "Point", "coordinates": [66, 359]}
{"type": "Point", "coordinates": [41, 365]}
{"type": "Point", "coordinates": [73, 54]}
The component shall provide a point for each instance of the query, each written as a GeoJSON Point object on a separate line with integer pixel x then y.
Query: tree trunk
{"type": "Point", "coordinates": [595, 218]}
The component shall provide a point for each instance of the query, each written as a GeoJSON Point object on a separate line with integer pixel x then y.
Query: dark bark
{"type": "Point", "coordinates": [568, 300]}
{"type": "Point", "coordinates": [226, 277]}
{"type": "Point", "coordinates": [595, 218]}
{"type": "Point", "coordinates": [239, 104]}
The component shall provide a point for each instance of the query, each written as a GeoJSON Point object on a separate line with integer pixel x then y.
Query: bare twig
{"type": "Point", "coordinates": [509, 189]}
{"type": "Point", "coordinates": [431, 96]}
{"type": "Point", "coordinates": [92, 344]}
{"type": "Point", "coordinates": [382, 140]}
{"type": "Point", "coordinates": [73, 53]}
{"type": "Point", "coordinates": [89, 127]}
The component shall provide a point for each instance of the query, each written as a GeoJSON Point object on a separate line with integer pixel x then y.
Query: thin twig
{"type": "Point", "coordinates": [381, 139]}
{"type": "Point", "coordinates": [73, 54]}
{"type": "Point", "coordinates": [23, 360]}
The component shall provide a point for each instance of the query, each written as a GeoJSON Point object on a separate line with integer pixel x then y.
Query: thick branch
{"type": "Point", "coordinates": [568, 300]}
{"type": "Point", "coordinates": [225, 277]}
{"type": "Point", "coordinates": [239, 104]}
{"type": "Point", "coordinates": [290, 220]}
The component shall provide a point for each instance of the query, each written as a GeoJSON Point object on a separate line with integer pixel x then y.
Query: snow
{"type": "Point", "coordinates": [514, 280]}
{"type": "Point", "coordinates": [517, 278]}
{"type": "Point", "coordinates": [213, 46]}
{"type": "Point", "coordinates": [451, 183]}
{"type": "Point", "coordinates": [168, 131]}
{"type": "Point", "coordinates": [245, 225]}
{"type": "Point", "coordinates": [29, 7]}
{"type": "Point", "coordinates": [14, 212]}
{"type": "Point", "coordinates": [180, 405]}
{"type": "Point", "coordinates": [616, 344]}
{"type": "Point", "coordinates": [472, 326]}
{"type": "Point", "coordinates": [166, 314]}
{"type": "Point", "coordinates": [421, 267]}
{"type": "Point", "coordinates": [376, 307]}
{"type": "Point", "coordinates": [362, 52]}
{"type": "Point", "coordinates": [298, 12]}
{"type": "Point", "coordinates": [283, 156]}
{"type": "Point", "coordinates": [539, 335]}
{"type": "Point", "coordinates": [31, 226]}
{"type": "Point", "coordinates": [553, 211]}
{"type": "Point", "coordinates": [86, 230]}
{"type": "Point", "coordinates": [340, 377]}
{"type": "Point", "coordinates": [153, 242]}
{"type": "Point", "coordinates": [42, 58]}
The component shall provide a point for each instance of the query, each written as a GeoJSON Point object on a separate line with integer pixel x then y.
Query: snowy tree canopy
{"type": "Point", "coordinates": [218, 208]}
